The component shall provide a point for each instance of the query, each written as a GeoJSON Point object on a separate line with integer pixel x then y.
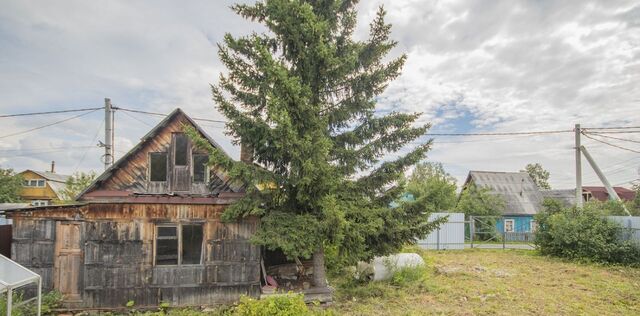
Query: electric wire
{"type": "Point", "coordinates": [47, 125]}
{"type": "Point", "coordinates": [84, 155]}
{"type": "Point", "coordinates": [49, 112]}
{"type": "Point", "coordinates": [610, 144]}
{"type": "Point", "coordinates": [617, 138]}
{"type": "Point", "coordinates": [164, 115]}
{"type": "Point", "coordinates": [137, 119]}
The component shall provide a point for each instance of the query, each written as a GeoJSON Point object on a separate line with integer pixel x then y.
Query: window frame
{"type": "Point", "coordinates": [176, 136]}
{"type": "Point", "coordinates": [166, 173]}
{"type": "Point", "coordinates": [193, 168]}
{"type": "Point", "coordinates": [513, 225]}
{"type": "Point", "coordinates": [39, 203]}
{"type": "Point", "coordinates": [34, 183]}
{"type": "Point", "coordinates": [178, 226]}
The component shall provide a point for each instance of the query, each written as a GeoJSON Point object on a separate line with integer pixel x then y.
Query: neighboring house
{"type": "Point", "coordinates": [566, 196]}
{"type": "Point", "coordinates": [147, 230]}
{"type": "Point", "coordinates": [589, 193]}
{"type": "Point", "coordinates": [42, 187]}
{"type": "Point", "coordinates": [521, 195]}
{"type": "Point", "coordinates": [601, 194]}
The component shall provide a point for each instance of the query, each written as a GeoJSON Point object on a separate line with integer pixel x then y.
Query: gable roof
{"type": "Point", "coordinates": [566, 196]}
{"type": "Point", "coordinates": [520, 193]}
{"type": "Point", "coordinates": [57, 182]}
{"type": "Point", "coordinates": [601, 193]}
{"type": "Point", "coordinates": [223, 183]}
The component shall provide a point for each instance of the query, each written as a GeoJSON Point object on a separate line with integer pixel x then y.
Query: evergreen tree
{"type": "Point", "coordinates": [303, 97]}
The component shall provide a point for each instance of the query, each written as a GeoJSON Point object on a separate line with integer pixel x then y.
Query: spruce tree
{"type": "Point", "coordinates": [303, 95]}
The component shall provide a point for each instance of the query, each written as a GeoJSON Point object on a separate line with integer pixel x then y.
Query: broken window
{"type": "Point", "coordinates": [179, 244]}
{"type": "Point", "coordinates": [191, 244]}
{"type": "Point", "coordinates": [200, 167]}
{"type": "Point", "coordinates": [181, 146]}
{"type": "Point", "coordinates": [167, 245]}
{"type": "Point", "coordinates": [158, 167]}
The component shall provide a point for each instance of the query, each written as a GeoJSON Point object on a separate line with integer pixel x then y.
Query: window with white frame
{"type": "Point", "coordinates": [534, 226]}
{"type": "Point", "coordinates": [39, 202]}
{"type": "Point", "coordinates": [178, 244]}
{"type": "Point", "coordinates": [39, 183]}
{"type": "Point", "coordinates": [509, 225]}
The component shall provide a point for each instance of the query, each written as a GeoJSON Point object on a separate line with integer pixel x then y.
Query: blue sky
{"type": "Point", "coordinates": [472, 66]}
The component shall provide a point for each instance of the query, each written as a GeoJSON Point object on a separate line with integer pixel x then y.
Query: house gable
{"type": "Point", "coordinates": [183, 173]}
{"type": "Point", "coordinates": [50, 191]}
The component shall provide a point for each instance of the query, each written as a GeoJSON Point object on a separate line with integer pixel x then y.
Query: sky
{"type": "Point", "coordinates": [472, 67]}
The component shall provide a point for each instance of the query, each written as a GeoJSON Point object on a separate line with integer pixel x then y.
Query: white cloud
{"type": "Point", "coordinates": [473, 66]}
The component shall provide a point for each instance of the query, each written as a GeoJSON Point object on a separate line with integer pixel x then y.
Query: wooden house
{"type": "Point", "coordinates": [42, 187]}
{"type": "Point", "coordinates": [147, 230]}
{"type": "Point", "coordinates": [522, 200]}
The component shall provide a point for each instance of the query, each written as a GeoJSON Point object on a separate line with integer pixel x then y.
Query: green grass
{"type": "Point", "coordinates": [488, 282]}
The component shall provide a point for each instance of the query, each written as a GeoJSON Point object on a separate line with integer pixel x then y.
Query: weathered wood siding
{"type": "Point", "coordinates": [118, 246]}
{"type": "Point", "coordinates": [133, 174]}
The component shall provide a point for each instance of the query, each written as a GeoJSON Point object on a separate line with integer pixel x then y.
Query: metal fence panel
{"type": "Point", "coordinates": [631, 225]}
{"type": "Point", "coordinates": [449, 235]}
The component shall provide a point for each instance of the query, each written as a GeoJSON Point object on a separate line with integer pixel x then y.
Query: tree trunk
{"type": "Point", "coordinates": [319, 273]}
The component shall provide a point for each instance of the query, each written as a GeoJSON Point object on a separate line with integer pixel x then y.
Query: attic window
{"type": "Point", "coordinates": [158, 166]}
{"type": "Point", "coordinates": [181, 149]}
{"type": "Point", "coordinates": [40, 183]}
{"type": "Point", "coordinates": [200, 167]}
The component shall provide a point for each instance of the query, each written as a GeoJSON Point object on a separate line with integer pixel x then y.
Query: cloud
{"type": "Point", "coordinates": [472, 66]}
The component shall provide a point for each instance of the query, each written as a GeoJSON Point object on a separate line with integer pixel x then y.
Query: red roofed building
{"type": "Point", "coordinates": [600, 193]}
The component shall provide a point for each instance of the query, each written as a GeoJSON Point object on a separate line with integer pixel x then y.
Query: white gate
{"type": "Point", "coordinates": [449, 235]}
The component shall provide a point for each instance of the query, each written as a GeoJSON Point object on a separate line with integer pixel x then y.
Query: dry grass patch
{"type": "Point", "coordinates": [503, 282]}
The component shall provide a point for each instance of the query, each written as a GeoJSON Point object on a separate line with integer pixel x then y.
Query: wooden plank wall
{"type": "Point", "coordinates": [118, 241]}
{"type": "Point", "coordinates": [33, 247]}
{"type": "Point", "coordinates": [132, 175]}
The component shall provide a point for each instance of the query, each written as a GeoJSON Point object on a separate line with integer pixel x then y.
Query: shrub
{"type": "Point", "coordinates": [279, 305]}
{"type": "Point", "coordinates": [584, 235]}
{"type": "Point", "coordinates": [50, 301]}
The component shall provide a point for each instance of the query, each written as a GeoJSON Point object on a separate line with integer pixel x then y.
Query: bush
{"type": "Point", "coordinates": [279, 305]}
{"type": "Point", "coordinates": [50, 301]}
{"type": "Point", "coordinates": [584, 235]}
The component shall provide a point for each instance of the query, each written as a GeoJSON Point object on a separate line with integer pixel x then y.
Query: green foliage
{"type": "Point", "coordinates": [76, 184]}
{"type": "Point", "coordinates": [10, 186]}
{"type": "Point", "coordinates": [584, 235]}
{"type": "Point", "coordinates": [408, 275]}
{"type": "Point", "coordinates": [50, 301]}
{"type": "Point", "coordinates": [302, 96]}
{"type": "Point", "coordinates": [432, 187]}
{"type": "Point", "coordinates": [479, 202]}
{"type": "Point", "coordinates": [635, 204]}
{"type": "Point", "coordinates": [279, 305]}
{"type": "Point", "coordinates": [539, 175]}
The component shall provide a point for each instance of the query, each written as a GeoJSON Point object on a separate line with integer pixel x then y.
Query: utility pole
{"type": "Point", "coordinates": [108, 133]}
{"type": "Point", "coordinates": [578, 168]}
{"type": "Point", "coordinates": [612, 193]}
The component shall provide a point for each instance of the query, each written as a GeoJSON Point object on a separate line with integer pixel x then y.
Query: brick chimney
{"type": "Point", "coordinates": [53, 166]}
{"type": "Point", "coordinates": [246, 153]}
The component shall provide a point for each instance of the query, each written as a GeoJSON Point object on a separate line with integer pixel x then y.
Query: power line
{"type": "Point", "coordinates": [49, 112]}
{"type": "Point", "coordinates": [610, 144]}
{"type": "Point", "coordinates": [501, 133]}
{"type": "Point", "coordinates": [32, 149]}
{"type": "Point", "coordinates": [84, 155]}
{"type": "Point", "coordinates": [47, 125]}
{"type": "Point", "coordinates": [137, 119]}
{"type": "Point", "coordinates": [618, 127]}
{"type": "Point", "coordinates": [617, 138]}
{"type": "Point", "coordinates": [164, 115]}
